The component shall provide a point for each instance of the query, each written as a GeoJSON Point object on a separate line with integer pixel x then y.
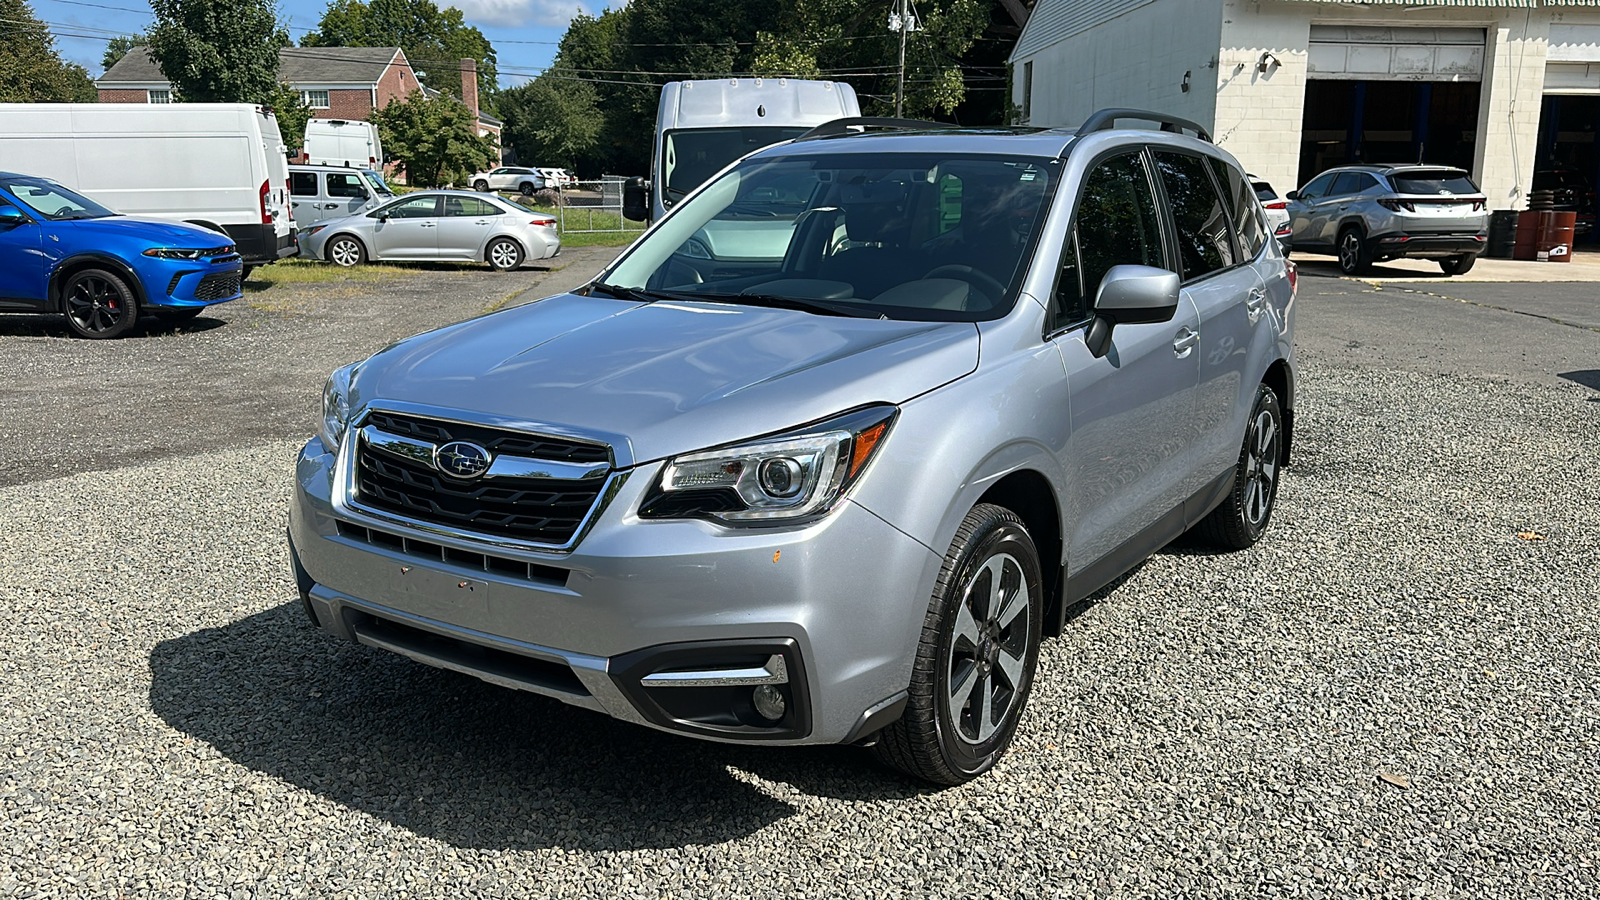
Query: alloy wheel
{"type": "Point", "coordinates": [345, 252]}
{"type": "Point", "coordinates": [95, 304]}
{"type": "Point", "coordinates": [986, 662]}
{"type": "Point", "coordinates": [1261, 467]}
{"type": "Point", "coordinates": [1349, 251]}
{"type": "Point", "coordinates": [504, 255]}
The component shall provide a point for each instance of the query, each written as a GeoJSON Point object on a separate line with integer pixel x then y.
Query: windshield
{"type": "Point", "coordinates": [899, 236]}
{"type": "Point", "coordinates": [688, 158]}
{"type": "Point", "coordinates": [53, 201]}
{"type": "Point", "coordinates": [1440, 182]}
{"type": "Point", "coordinates": [377, 182]}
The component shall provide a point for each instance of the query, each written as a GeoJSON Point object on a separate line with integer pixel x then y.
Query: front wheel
{"type": "Point", "coordinates": [99, 304]}
{"type": "Point", "coordinates": [346, 251]}
{"type": "Point", "coordinates": [526, 189]}
{"type": "Point", "coordinates": [481, 186]}
{"type": "Point", "coordinates": [503, 254]}
{"type": "Point", "coordinates": [975, 663]}
{"type": "Point", "coordinates": [1458, 265]}
{"type": "Point", "coordinates": [1354, 257]}
{"type": "Point", "coordinates": [1244, 514]}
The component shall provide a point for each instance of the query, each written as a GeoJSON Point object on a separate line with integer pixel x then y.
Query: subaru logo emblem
{"type": "Point", "coordinates": [459, 459]}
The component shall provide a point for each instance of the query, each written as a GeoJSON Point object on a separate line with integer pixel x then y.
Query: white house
{"type": "Point", "coordinates": [1292, 87]}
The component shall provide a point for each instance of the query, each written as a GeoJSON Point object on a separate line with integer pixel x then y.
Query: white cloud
{"type": "Point", "coordinates": [514, 13]}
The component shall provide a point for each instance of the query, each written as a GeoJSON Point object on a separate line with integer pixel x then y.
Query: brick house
{"type": "Point", "coordinates": [336, 82]}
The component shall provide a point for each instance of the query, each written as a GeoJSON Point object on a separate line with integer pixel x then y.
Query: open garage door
{"type": "Point", "coordinates": [1568, 159]}
{"type": "Point", "coordinates": [1390, 95]}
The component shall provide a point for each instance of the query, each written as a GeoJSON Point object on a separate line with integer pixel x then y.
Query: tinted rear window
{"type": "Point", "coordinates": [1264, 191]}
{"type": "Point", "coordinates": [1434, 183]}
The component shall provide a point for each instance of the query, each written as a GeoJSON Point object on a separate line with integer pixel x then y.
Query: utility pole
{"type": "Point", "coordinates": [900, 85]}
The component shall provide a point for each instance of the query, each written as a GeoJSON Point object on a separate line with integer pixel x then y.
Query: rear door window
{"type": "Point", "coordinates": [1249, 222]}
{"type": "Point", "coordinates": [1115, 224]}
{"type": "Point", "coordinates": [1204, 241]}
{"type": "Point", "coordinates": [1350, 183]}
{"type": "Point", "coordinates": [303, 184]}
{"type": "Point", "coordinates": [470, 206]}
{"type": "Point", "coordinates": [345, 184]}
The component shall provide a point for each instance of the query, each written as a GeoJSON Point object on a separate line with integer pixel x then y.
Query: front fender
{"type": "Point", "coordinates": [58, 275]}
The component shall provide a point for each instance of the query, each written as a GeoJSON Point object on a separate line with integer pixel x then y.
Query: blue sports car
{"type": "Point", "coordinates": [62, 252]}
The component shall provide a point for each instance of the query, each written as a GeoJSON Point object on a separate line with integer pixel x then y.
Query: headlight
{"type": "Point", "coordinates": [313, 229]}
{"type": "Point", "coordinates": [173, 253]}
{"type": "Point", "coordinates": [335, 407]}
{"type": "Point", "coordinates": [780, 479]}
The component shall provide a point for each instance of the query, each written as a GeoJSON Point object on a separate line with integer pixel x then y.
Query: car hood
{"type": "Point", "coordinates": [658, 379]}
{"type": "Point", "coordinates": [154, 230]}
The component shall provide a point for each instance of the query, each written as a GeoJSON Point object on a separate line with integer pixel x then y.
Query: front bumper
{"type": "Point", "coordinates": [841, 601]}
{"type": "Point", "coordinates": [1426, 246]}
{"type": "Point", "coordinates": [173, 283]}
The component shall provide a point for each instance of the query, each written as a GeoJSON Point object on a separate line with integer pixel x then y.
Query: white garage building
{"type": "Point", "coordinates": [1292, 87]}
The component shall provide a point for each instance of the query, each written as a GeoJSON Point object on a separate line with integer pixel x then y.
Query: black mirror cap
{"type": "Point", "coordinates": [636, 199]}
{"type": "Point", "coordinates": [1292, 195]}
{"type": "Point", "coordinates": [1131, 295]}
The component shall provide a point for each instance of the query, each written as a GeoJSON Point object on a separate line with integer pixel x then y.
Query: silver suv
{"type": "Point", "coordinates": [1368, 214]}
{"type": "Point", "coordinates": [824, 455]}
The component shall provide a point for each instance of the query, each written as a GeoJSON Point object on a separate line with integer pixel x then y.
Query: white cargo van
{"type": "Point", "coordinates": [702, 126]}
{"type": "Point", "coordinates": [217, 165]}
{"type": "Point", "coordinates": [342, 142]}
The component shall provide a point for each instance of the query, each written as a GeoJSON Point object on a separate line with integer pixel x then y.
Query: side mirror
{"type": "Point", "coordinates": [1131, 295]}
{"type": "Point", "coordinates": [1292, 195]}
{"type": "Point", "coordinates": [636, 200]}
{"type": "Point", "coordinates": [380, 216]}
{"type": "Point", "coordinates": [10, 217]}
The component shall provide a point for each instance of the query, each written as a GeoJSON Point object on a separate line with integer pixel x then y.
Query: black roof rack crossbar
{"type": "Point", "coordinates": [1106, 119]}
{"type": "Point", "coordinates": [843, 126]}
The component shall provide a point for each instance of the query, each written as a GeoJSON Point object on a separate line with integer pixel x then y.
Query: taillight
{"type": "Point", "coordinates": [266, 188]}
{"type": "Point", "coordinates": [1397, 205]}
{"type": "Point", "coordinates": [1477, 206]}
{"type": "Point", "coordinates": [1293, 272]}
{"type": "Point", "coordinates": [1278, 204]}
{"type": "Point", "coordinates": [541, 220]}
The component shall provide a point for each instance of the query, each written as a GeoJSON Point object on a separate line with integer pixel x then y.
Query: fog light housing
{"type": "Point", "coordinates": [769, 702]}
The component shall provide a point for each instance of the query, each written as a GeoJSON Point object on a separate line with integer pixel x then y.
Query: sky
{"type": "Point", "coordinates": [524, 32]}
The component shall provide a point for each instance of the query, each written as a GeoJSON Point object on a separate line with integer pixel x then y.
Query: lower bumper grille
{"type": "Point", "coordinates": [219, 286]}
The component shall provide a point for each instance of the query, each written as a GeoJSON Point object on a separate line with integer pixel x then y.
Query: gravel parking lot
{"type": "Point", "coordinates": [1396, 694]}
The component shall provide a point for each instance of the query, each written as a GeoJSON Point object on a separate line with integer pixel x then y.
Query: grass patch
{"type": "Point", "coordinates": [600, 239]}
{"type": "Point", "coordinates": [311, 271]}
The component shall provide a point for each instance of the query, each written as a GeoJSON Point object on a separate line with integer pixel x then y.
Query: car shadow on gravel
{"type": "Point", "coordinates": [54, 326]}
{"type": "Point", "coordinates": [476, 766]}
{"type": "Point", "coordinates": [1589, 378]}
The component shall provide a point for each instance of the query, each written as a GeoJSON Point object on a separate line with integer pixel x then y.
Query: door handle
{"type": "Point", "coordinates": [427, 225]}
{"type": "Point", "coordinates": [1185, 341]}
{"type": "Point", "coordinates": [1255, 304]}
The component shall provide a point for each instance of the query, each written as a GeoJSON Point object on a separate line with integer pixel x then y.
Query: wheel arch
{"type": "Point", "coordinates": [483, 252]}
{"type": "Point", "coordinates": [1349, 222]}
{"type": "Point", "coordinates": [209, 226]}
{"type": "Point", "coordinates": [365, 247]}
{"type": "Point", "coordinates": [75, 264]}
{"type": "Point", "coordinates": [1280, 377]}
{"type": "Point", "coordinates": [1029, 494]}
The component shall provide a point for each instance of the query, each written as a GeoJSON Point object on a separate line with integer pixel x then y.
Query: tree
{"type": "Point", "coordinates": [554, 120]}
{"type": "Point", "coordinates": [436, 139]}
{"type": "Point", "coordinates": [214, 51]}
{"type": "Point", "coordinates": [31, 71]}
{"type": "Point", "coordinates": [291, 111]}
{"type": "Point", "coordinates": [434, 40]}
{"type": "Point", "coordinates": [120, 46]}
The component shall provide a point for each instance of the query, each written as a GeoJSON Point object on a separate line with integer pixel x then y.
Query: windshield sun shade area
{"type": "Point", "coordinates": [898, 236]}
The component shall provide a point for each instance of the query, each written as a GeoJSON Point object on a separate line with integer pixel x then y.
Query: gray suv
{"type": "Point", "coordinates": [1368, 214]}
{"type": "Point", "coordinates": [832, 474]}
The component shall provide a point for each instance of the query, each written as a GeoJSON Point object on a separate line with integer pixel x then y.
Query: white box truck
{"type": "Point", "coordinates": [217, 165]}
{"type": "Point", "coordinates": [343, 142]}
{"type": "Point", "coordinates": [702, 126]}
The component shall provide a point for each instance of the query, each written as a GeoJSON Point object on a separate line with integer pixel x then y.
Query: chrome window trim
{"type": "Point", "coordinates": [346, 506]}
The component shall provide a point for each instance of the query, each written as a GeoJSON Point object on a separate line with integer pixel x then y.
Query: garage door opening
{"type": "Point", "coordinates": [1568, 160]}
{"type": "Point", "coordinates": [1385, 122]}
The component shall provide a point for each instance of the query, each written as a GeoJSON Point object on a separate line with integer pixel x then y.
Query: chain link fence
{"type": "Point", "coordinates": [589, 207]}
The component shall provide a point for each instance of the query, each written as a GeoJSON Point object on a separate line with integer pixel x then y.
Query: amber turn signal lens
{"type": "Point", "coordinates": [865, 441]}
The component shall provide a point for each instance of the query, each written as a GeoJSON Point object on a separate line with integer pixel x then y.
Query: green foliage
{"type": "Point", "coordinates": [119, 46]}
{"type": "Point", "coordinates": [218, 51]}
{"type": "Point", "coordinates": [552, 121]}
{"type": "Point", "coordinates": [434, 40]}
{"type": "Point", "coordinates": [30, 69]}
{"type": "Point", "coordinates": [291, 112]}
{"type": "Point", "coordinates": [437, 139]}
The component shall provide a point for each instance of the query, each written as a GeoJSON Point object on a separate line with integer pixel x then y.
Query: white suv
{"type": "Point", "coordinates": [509, 178]}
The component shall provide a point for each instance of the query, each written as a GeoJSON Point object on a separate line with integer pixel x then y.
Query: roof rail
{"type": "Point", "coordinates": [1106, 119]}
{"type": "Point", "coordinates": [843, 126]}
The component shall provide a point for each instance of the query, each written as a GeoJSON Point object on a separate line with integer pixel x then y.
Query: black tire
{"type": "Point", "coordinates": [244, 274]}
{"type": "Point", "coordinates": [1247, 510]}
{"type": "Point", "coordinates": [1355, 257]}
{"type": "Point", "coordinates": [98, 304]}
{"type": "Point", "coordinates": [1458, 265]}
{"type": "Point", "coordinates": [944, 738]}
{"type": "Point", "coordinates": [481, 186]}
{"type": "Point", "coordinates": [503, 254]}
{"type": "Point", "coordinates": [526, 189]}
{"type": "Point", "coordinates": [345, 251]}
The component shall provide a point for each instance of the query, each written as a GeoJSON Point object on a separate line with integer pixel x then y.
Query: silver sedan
{"type": "Point", "coordinates": [436, 225]}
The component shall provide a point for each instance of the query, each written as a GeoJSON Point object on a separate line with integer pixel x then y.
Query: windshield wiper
{"type": "Point", "coordinates": [638, 295]}
{"type": "Point", "coordinates": [774, 301]}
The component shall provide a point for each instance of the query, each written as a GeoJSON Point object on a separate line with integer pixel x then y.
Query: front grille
{"type": "Point", "coordinates": [536, 510]}
{"type": "Point", "coordinates": [427, 550]}
{"type": "Point", "coordinates": [219, 286]}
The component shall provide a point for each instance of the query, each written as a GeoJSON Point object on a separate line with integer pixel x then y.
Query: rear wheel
{"type": "Point", "coordinates": [99, 304]}
{"type": "Point", "coordinates": [975, 663]}
{"type": "Point", "coordinates": [346, 251]}
{"type": "Point", "coordinates": [1458, 265]}
{"type": "Point", "coordinates": [503, 254]}
{"type": "Point", "coordinates": [1245, 513]}
{"type": "Point", "coordinates": [526, 189]}
{"type": "Point", "coordinates": [1354, 257]}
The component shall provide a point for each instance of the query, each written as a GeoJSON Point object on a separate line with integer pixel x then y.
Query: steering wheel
{"type": "Point", "coordinates": [983, 281]}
